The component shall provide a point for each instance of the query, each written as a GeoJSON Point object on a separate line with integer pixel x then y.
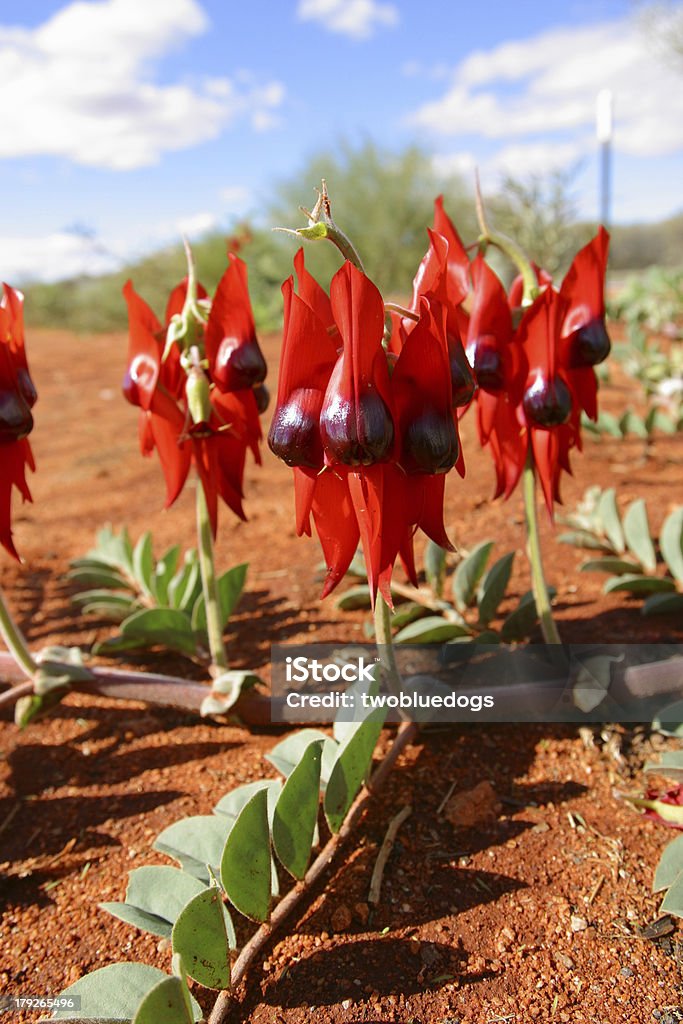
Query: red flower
{"type": "Point", "coordinates": [369, 451]}
{"type": "Point", "coordinates": [198, 406]}
{"type": "Point", "coordinates": [17, 396]}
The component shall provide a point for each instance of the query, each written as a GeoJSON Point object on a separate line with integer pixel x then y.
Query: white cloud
{"type": "Point", "coordinates": [79, 86]}
{"type": "Point", "coordinates": [355, 18]}
{"type": "Point", "coordinates": [197, 224]}
{"type": "Point", "coordinates": [548, 84]}
{"type": "Point", "coordinates": [52, 257]}
{"type": "Point", "coordinates": [235, 199]}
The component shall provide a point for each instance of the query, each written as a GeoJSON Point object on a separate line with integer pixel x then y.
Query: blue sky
{"type": "Point", "coordinates": [128, 121]}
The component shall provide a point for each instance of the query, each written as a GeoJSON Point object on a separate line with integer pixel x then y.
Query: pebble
{"type": "Point", "coordinates": [346, 1003]}
{"type": "Point", "coordinates": [626, 972]}
{"type": "Point", "coordinates": [579, 924]}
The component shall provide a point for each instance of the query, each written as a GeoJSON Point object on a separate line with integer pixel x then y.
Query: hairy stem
{"type": "Point", "coordinates": [214, 626]}
{"type": "Point", "coordinates": [385, 647]}
{"type": "Point", "coordinates": [538, 583]}
{"type": "Point", "coordinates": [406, 734]}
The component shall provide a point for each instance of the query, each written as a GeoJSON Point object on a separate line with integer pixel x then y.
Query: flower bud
{"type": "Point", "coordinates": [295, 431]}
{"type": "Point", "coordinates": [590, 345]}
{"type": "Point", "coordinates": [198, 396]}
{"type": "Point", "coordinates": [16, 421]}
{"type": "Point", "coordinates": [430, 443]}
{"type": "Point", "coordinates": [547, 403]}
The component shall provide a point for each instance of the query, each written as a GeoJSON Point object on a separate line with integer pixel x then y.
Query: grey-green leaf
{"type": "Point", "coordinates": [670, 865]}
{"type": "Point", "coordinates": [195, 842]}
{"type": "Point", "coordinates": [168, 1002]}
{"type": "Point", "coordinates": [287, 754]}
{"type": "Point", "coordinates": [204, 935]}
{"type": "Point", "coordinates": [673, 901]}
{"type": "Point", "coordinates": [230, 587]}
{"type": "Point", "coordinates": [230, 805]}
{"type": "Point", "coordinates": [351, 768]}
{"type": "Point", "coordinates": [354, 598]}
{"type": "Point", "coordinates": [163, 572]}
{"type": "Point", "coordinates": [493, 586]}
{"type": "Point", "coordinates": [637, 534]}
{"type": "Point", "coordinates": [296, 813]}
{"type": "Point", "coordinates": [143, 563]}
{"type": "Point", "coordinates": [613, 565]}
{"type": "Point", "coordinates": [636, 584]}
{"type": "Point", "coordinates": [246, 864]}
{"type": "Point", "coordinates": [115, 992]}
{"type": "Point", "coordinates": [155, 895]}
{"type": "Point", "coordinates": [435, 566]}
{"type": "Point", "coordinates": [607, 515]}
{"type": "Point", "coordinates": [671, 543]}
{"type": "Point", "coordinates": [469, 572]}
{"type": "Point", "coordinates": [430, 630]}
{"type": "Point", "coordinates": [165, 627]}
{"type": "Point", "coordinates": [584, 539]}
{"type": "Point", "coordinates": [663, 604]}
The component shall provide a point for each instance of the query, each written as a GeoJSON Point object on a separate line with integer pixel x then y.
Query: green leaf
{"type": "Point", "coordinates": [230, 587]}
{"type": "Point", "coordinates": [519, 623]}
{"type": "Point", "coordinates": [637, 534]}
{"type": "Point", "coordinates": [435, 566]}
{"type": "Point", "coordinates": [186, 585]}
{"type": "Point", "coordinates": [143, 564]}
{"type": "Point", "coordinates": [163, 627]}
{"type": "Point", "coordinates": [583, 539]}
{"type": "Point", "coordinates": [230, 805]}
{"type": "Point", "coordinates": [670, 720]}
{"type": "Point", "coordinates": [354, 598]}
{"type": "Point", "coordinates": [614, 565]}
{"type": "Point", "coordinates": [493, 586]}
{"type": "Point", "coordinates": [245, 864]}
{"type": "Point", "coordinates": [673, 901]}
{"type": "Point", "coordinates": [663, 604]}
{"type": "Point", "coordinates": [204, 935]}
{"type": "Point", "coordinates": [671, 543]}
{"type": "Point", "coordinates": [154, 897]}
{"type": "Point", "coordinates": [169, 1001]}
{"type": "Point", "coordinates": [468, 574]}
{"type": "Point", "coordinates": [662, 421]}
{"type": "Point", "coordinates": [351, 768]}
{"type": "Point", "coordinates": [430, 630]}
{"type": "Point", "coordinates": [113, 548]}
{"type": "Point", "coordinates": [115, 992]}
{"type": "Point", "coordinates": [670, 865]}
{"type": "Point", "coordinates": [195, 842]}
{"type": "Point", "coordinates": [296, 813]}
{"type": "Point", "coordinates": [607, 515]}
{"type": "Point", "coordinates": [110, 610]}
{"type": "Point", "coordinates": [609, 424]}
{"type": "Point", "coordinates": [632, 423]}
{"type": "Point", "coordinates": [163, 573]}
{"type": "Point", "coordinates": [92, 576]}
{"type": "Point", "coordinates": [226, 690]}
{"type": "Point", "coordinates": [287, 754]}
{"type": "Point", "coordinates": [636, 584]}
{"type": "Point", "coordinates": [408, 612]}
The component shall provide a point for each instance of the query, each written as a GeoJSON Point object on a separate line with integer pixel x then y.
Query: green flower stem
{"type": "Point", "coordinates": [538, 584]}
{"type": "Point", "coordinates": [509, 247]}
{"type": "Point", "coordinates": [15, 641]}
{"type": "Point", "coordinates": [385, 647]}
{"type": "Point", "coordinates": [209, 585]}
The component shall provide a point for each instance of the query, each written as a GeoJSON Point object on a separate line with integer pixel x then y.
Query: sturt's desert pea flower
{"type": "Point", "coordinates": [197, 380]}
{"type": "Point", "coordinates": [17, 397]}
{"type": "Point", "coordinates": [369, 447]}
{"type": "Point", "coordinates": [535, 378]}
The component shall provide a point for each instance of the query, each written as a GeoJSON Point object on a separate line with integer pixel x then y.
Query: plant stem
{"type": "Point", "coordinates": [538, 583]}
{"type": "Point", "coordinates": [15, 641]}
{"type": "Point", "coordinates": [406, 734]}
{"type": "Point", "coordinates": [385, 647]}
{"type": "Point", "coordinates": [508, 246]}
{"type": "Point", "coordinates": [214, 626]}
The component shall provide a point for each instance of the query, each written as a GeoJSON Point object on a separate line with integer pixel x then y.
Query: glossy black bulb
{"type": "Point", "coordinates": [487, 362]}
{"type": "Point", "coordinates": [262, 396]}
{"type": "Point", "coordinates": [430, 443]}
{"type": "Point", "coordinates": [239, 364]}
{"type": "Point", "coordinates": [463, 380]}
{"type": "Point", "coordinates": [16, 421]}
{"type": "Point", "coordinates": [294, 434]}
{"type": "Point", "coordinates": [547, 403]}
{"type": "Point", "coordinates": [590, 345]}
{"type": "Point", "coordinates": [357, 433]}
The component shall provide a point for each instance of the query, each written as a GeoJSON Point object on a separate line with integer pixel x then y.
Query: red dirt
{"type": "Point", "coordinates": [475, 923]}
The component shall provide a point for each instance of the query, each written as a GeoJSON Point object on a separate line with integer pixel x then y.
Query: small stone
{"type": "Point", "coordinates": [362, 912]}
{"type": "Point", "coordinates": [626, 972]}
{"type": "Point", "coordinates": [341, 918]}
{"type": "Point", "coordinates": [566, 961]}
{"type": "Point", "coordinates": [578, 924]}
{"type": "Point", "coordinates": [542, 826]}
{"type": "Point", "coordinates": [470, 807]}
{"type": "Point", "coordinates": [346, 1003]}
{"type": "Point", "coordinates": [266, 965]}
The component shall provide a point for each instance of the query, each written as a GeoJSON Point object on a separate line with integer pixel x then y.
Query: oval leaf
{"type": "Point", "coordinates": [204, 935]}
{"type": "Point", "coordinates": [154, 897]}
{"type": "Point", "coordinates": [287, 754]}
{"type": "Point", "coordinates": [245, 864]}
{"type": "Point", "coordinates": [435, 566]}
{"type": "Point", "coordinates": [165, 627]}
{"type": "Point", "coordinates": [493, 587]}
{"type": "Point", "coordinates": [351, 768]}
{"type": "Point", "coordinates": [673, 901]}
{"type": "Point", "coordinates": [195, 842]}
{"type": "Point", "coordinates": [169, 1001]}
{"type": "Point", "coordinates": [143, 564]}
{"type": "Point", "coordinates": [354, 598]}
{"type": "Point", "coordinates": [583, 539]}
{"type": "Point", "coordinates": [636, 584]}
{"type": "Point", "coordinates": [671, 543]}
{"type": "Point", "coordinates": [614, 565]}
{"type": "Point", "coordinates": [607, 516]}
{"type": "Point", "coordinates": [430, 630]}
{"type": "Point", "coordinates": [232, 803]}
{"type": "Point", "coordinates": [670, 865]}
{"type": "Point", "coordinates": [663, 604]}
{"type": "Point", "coordinates": [637, 534]}
{"type": "Point", "coordinates": [230, 587]}
{"type": "Point", "coordinates": [296, 813]}
{"type": "Point", "coordinates": [469, 572]}
{"type": "Point", "coordinates": [115, 991]}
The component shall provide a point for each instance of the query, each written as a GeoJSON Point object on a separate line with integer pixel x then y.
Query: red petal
{"type": "Point", "coordinates": [312, 294]}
